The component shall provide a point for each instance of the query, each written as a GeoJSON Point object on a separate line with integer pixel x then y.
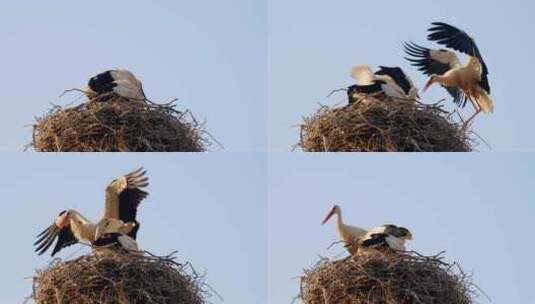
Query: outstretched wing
{"type": "Point", "coordinates": [64, 237]}
{"type": "Point", "coordinates": [131, 197]}
{"type": "Point", "coordinates": [459, 40]}
{"type": "Point", "coordinates": [124, 194]}
{"type": "Point", "coordinates": [435, 62]}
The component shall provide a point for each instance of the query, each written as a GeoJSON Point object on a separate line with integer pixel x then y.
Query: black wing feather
{"type": "Point", "coordinates": [421, 58]}
{"type": "Point", "coordinates": [375, 240]}
{"type": "Point", "coordinates": [45, 239]}
{"type": "Point", "coordinates": [107, 240]}
{"type": "Point", "coordinates": [131, 197]}
{"type": "Point", "coordinates": [397, 75]}
{"type": "Point", "coordinates": [65, 238]}
{"type": "Point", "coordinates": [459, 40]}
{"type": "Point", "coordinates": [102, 83]}
{"type": "Point", "coordinates": [129, 201]}
{"type": "Point", "coordinates": [459, 98]}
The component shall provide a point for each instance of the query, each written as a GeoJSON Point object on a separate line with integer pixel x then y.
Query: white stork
{"type": "Point", "coordinates": [386, 237]}
{"type": "Point", "coordinates": [118, 224]}
{"type": "Point", "coordinates": [390, 236]}
{"type": "Point", "coordinates": [120, 82]}
{"type": "Point", "coordinates": [391, 80]}
{"type": "Point", "coordinates": [442, 66]}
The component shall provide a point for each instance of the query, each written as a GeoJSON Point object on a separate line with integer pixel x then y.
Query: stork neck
{"type": "Point", "coordinates": [82, 228]}
{"type": "Point", "coordinates": [339, 220]}
{"type": "Point", "coordinates": [78, 217]}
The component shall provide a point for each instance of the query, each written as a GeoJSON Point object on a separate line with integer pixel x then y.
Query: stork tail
{"type": "Point", "coordinates": [485, 102]}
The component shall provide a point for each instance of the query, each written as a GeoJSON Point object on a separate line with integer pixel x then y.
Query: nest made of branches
{"type": "Point", "coordinates": [400, 278]}
{"type": "Point", "coordinates": [118, 277]}
{"type": "Point", "coordinates": [383, 124]}
{"type": "Point", "coordinates": [118, 125]}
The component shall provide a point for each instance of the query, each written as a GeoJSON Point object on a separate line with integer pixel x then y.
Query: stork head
{"type": "Point", "coordinates": [129, 226]}
{"type": "Point", "coordinates": [397, 231]}
{"type": "Point", "coordinates": [404, 233]}
{"type": "Point", "coordinates": [108, 225]}
{"type": "Point", "coordinates": [334, 210]}
{"type": "Point", "coordinates": [432, 79]}
{"type": "Point", "coordinates": [62, 219]}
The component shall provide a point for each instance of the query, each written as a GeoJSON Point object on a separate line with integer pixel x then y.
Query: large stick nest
{"type": "Point", "coordinates": [401, 278]}
{"type": "Point", "coordinates": [382, 124]}
{"type": "Point", "coordinates": [117, 277]}
{"type": "Point", "coordinates": [118, 125]}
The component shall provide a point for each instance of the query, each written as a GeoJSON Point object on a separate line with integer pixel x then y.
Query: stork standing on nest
{"type": "Point", "coordinates": [120, 82]}
{"type": "Point", "coordinates": [381, 237]}
{"type": "Point", "coordinates": [442, 66]}
{"type": "Point", "coordinates": [392, 81]}
{"type": "Point", "coordinates": [117, 227]}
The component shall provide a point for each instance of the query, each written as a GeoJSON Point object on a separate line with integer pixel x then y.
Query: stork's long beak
{"type": "Point", "coordinates": [428, 84]}
{"type": "Point", "coordinates": [329, 215]}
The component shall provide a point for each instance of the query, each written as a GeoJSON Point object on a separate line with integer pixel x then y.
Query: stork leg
{"type": "Point", "coordinates": [476, 107]}
{"type": "Point", "coordinates": [471, 117]}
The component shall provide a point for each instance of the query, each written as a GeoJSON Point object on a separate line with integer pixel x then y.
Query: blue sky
{"type": "Point", "coordinates": [478, 208]}
{"type": "Point", "coordinates": [211, 209]}
{"type": "Point", "coordinates": [209, 54]}
{"type": "Point", "coordinates": [314, 44]}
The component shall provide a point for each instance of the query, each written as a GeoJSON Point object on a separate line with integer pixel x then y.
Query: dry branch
{"type": "Point", "coordinates": [402, 278]}
{"type": "Point", "coordinates": [117, 277]}
{"type": "Point", "coordinates": [119, 125]}
{"type": "Point", "coordinates": [383, 124]}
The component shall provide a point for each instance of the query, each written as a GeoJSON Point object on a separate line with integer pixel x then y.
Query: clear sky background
{"type": "Point", "coordinates": [478, 208]}
{"type": "Point", "coordinates": [209, 54]}
{"type": "Point", "coordinates": [212, 209]}
{"type": "Point", "coordinates": [314, 44]}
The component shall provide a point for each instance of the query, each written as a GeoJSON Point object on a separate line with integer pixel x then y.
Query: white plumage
{"type": "Point", "coordinates": [363, 75]}
{"type": "Point", "coordinates": [117, 226]}
{"type": "Point", "coordinates": [120, 82]}
{"type": "Point", "coordinates": [468, 82]}
{"type": "Point", "coordinates": [392, 236]}
{"type": "Point", "coordinates": [391, 80]}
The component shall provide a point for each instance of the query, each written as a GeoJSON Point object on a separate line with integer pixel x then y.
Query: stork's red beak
{"type": "Point", "coordinates": [329, 215]}
{"type": "Point", "coordinates": [428, 84]}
